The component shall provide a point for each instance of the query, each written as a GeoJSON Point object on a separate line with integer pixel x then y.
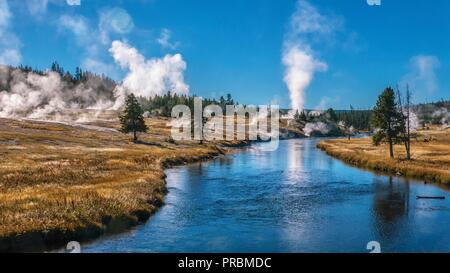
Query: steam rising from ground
{"type": "Point", "coordinates": [443, 114]}
{"type": "Point", "coordinates": [320, 127]}
{"type": "Point", "coordinates": [414, 121]}
{"type": "Point", "coordinates": [437, 113]}
{"type": "Point", "coordinates": [35, 96]}
{"type": "Point", "coordinates": [306, 25]}
{"type": "Point", "coordinates": [299, 72]}
{"type": "Point", "coordinates": [49, 97]}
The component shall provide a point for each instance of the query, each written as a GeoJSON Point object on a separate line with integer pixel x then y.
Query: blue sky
{"type": "Point", "coordinates": [237, 46]}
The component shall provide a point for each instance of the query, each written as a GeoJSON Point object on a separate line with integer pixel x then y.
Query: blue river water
{"type": "Point", "coordinates": [294, 199]}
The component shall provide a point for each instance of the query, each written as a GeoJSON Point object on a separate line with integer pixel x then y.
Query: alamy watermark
{"type": "Point", "coordinates": [73, 247]}
{"type": "Point", "coordinates": [374, 247]}
{"type": "Point", "coordinates": [374, 2]}
{"type": "Point", "coordinates": [236, 122]}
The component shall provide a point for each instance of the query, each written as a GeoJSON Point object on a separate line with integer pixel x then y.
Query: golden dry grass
{"type": "Point", "coordinates": [60, 179]}
{"type": "Point", "coordinates": [430, 155]}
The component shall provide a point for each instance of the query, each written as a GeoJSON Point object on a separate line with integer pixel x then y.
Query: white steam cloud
{"type": "Point", "coordinates": [306, 26]}
{"type": "Point", "coordinates": [414, 121]}
{"type": "Point", "coordinates": [316, 127]}
{"type": "Point", "coordinates": [150, 77]}
{"type": "Point", "coordinates": [443, 114]}
{"type": "Point", "coordinates": [47, 96]}
{"type": "Point", "coordinates": [300, 67]}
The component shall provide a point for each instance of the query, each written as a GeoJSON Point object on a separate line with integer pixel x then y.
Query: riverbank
{"type": "Point", "coordinates": [60, 182]}
{"type": "Point", "coordinates": [430, 155]}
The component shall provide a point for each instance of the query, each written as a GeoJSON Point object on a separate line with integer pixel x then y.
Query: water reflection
{"type": "Point", "coordinates": [296, 153]}
{"type": "Point", "coordinates": [391, 205]}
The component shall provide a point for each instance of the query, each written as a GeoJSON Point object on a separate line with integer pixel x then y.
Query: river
{"type": "Point", "coordinates": [294, 199]}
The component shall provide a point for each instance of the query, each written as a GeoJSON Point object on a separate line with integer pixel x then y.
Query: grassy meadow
{"type": "Point", "coordinates": [60, 182]}
{"type": "Point", "coordinates": [430, 151]}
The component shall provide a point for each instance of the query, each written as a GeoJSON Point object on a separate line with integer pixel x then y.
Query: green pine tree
{"type": "Point", "coordinates": [132, 118]}
{"type": "Point", "coordinates": [387, 120]}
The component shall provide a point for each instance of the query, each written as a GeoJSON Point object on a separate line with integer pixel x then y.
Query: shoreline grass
{"type": "Point", "coordinates": [430, 156]}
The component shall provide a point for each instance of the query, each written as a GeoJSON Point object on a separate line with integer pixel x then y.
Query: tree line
{"type": "Point", "coordinates": [161, 105]}
{"type": "Point", "coordinates": [103, 82]}
{"type": "Point", "coordinates": [76, 77]}
{"type": "Point", "coordinates": [79, 76]}
{"type": "Point", "coordinates": [356, 119]}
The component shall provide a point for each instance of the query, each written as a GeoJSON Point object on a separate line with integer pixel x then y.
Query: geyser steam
{"type": "Point", "coordinates": [26, 94]}
{"type": "Point", "coordinates": [49, 96]}
{"type": "Point", "coordinates": [306, 25]}
{"type": "Point", "coordinates": [299, 72]}
{"type": "Point", "coordinates": [151, 77]}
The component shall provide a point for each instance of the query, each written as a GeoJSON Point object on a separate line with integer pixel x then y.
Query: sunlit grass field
{"type": "Point", "coordinates": [60, 182]}
{"type": "Point", "coordinates": [430, 152]}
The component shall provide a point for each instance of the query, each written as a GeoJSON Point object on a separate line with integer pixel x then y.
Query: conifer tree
{"type": "Point", "coordinates": [387, 120]}
{"type": "Point", "coordinates": [132, 119]}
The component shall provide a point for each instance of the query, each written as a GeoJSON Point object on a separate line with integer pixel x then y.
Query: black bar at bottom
{"type": "Point", "coordinates": [218, 262]}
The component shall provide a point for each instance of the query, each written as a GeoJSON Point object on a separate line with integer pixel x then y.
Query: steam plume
{"type": "Point", "coordinates": [298, 58]}
{"type": "Point", "coordinates": [319, 127]}
{"type": "Point", "coordinates": [151, 77]}
{"type": "Point", "coordinates": [30, 95]}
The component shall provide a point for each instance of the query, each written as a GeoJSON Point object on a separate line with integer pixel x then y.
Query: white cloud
{"type": "Point", "coordinates": [10, 56]}
{"type": "Point", "coordinates": [78, 25]}
{"type": "Point", "coordinates": [308, 20]}
{"type": "Point", "coordinates": [150, 77]}
{"type": "Point", "coordinates": [9, 42]}
{"type": "Point", "coordinates": [5, 15]}
{"type": "Point", "coordinates": [422, 75]}
{"type": "Point", "coordinates": [164, 39]}
{"type": "Point", "coordinates": [37, 7]}
{"type": "Point", "coordinates": [307, 26]}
